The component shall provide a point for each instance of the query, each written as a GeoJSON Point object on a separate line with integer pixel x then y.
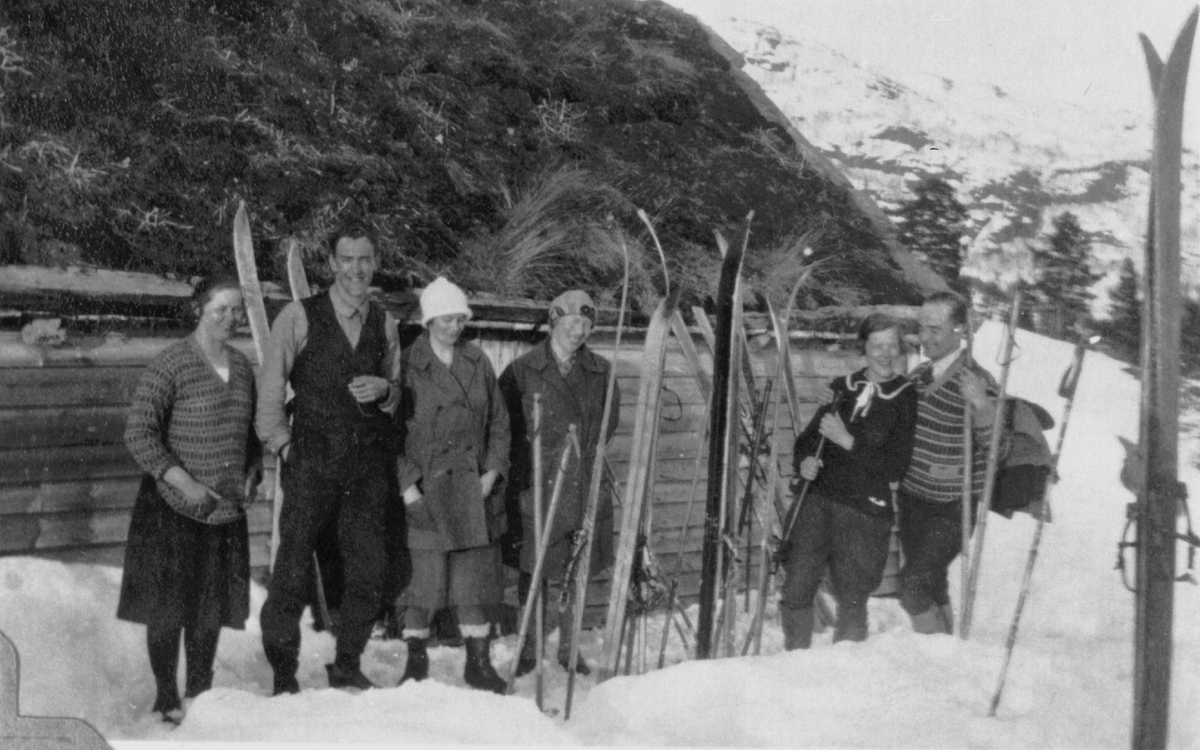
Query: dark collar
{"type": "Point", "coordinates": [542, 356]}
{"type": "Point", "coordinates": [420, 352]}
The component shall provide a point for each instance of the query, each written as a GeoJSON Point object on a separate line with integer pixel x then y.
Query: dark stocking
{"type": "Point", "coordinates": [162, 641]}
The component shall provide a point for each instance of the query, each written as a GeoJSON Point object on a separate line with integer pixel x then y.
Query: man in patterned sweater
{"type": "Point", "coordinates": [930, 500]}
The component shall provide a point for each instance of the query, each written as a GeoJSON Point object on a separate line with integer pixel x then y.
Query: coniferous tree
{"type": "Point", "coordinates": [1065, 278]}
{"type": "Point", "coordinates": [1124, 327]}
{"type": "Point", "coordinates": [932, 225]}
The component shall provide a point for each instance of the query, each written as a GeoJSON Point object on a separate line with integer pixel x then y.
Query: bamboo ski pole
{"type": "Point", "coordinates": [1066, 390]}
{"type": "Point", "coordinates": [531, 599]}
{"type": "Point", "coordinates": [835, 406]}
{"type": "Point", "coordinates": [968, 460]}
{"type": "Point", "coordinates": [583, 570]}
{"type": "Point", "coordinates": [989, 483]}
{"type": "Point", "coordinates": [745, 521]}
{"type": "Point", "coordinates": [764, 572]}
{"type": "Point", "coordinates": [539, 492]}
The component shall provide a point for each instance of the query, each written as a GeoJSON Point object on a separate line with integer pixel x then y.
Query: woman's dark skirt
{"type": "Point", "coordinates": [182, 571]}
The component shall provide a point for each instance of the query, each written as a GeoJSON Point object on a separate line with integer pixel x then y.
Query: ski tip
{"type": "Point", "coordinates": [722, 243]}
{"type": "Point", "coordinates": [1153, 62]}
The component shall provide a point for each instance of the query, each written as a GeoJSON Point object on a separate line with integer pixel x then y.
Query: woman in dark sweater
{"type": "Point", "coordinates": [187, 558]}
{"type": "Point", "coordinates": [845, 521]}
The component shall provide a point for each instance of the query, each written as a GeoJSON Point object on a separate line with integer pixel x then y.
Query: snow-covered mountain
{"type": "Point", "coordinates": [1016, 163]}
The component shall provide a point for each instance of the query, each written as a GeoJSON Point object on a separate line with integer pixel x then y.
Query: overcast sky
{"type": "Point", "coordinates": [1084, 51]}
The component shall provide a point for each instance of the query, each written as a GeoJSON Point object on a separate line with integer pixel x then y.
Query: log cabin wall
{"type": "Point", "coordinates": [67, 483]}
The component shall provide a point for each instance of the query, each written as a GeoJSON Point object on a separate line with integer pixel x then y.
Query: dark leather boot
{"type": "Point", "coordinates": [284, 664]}
{"type": "Point", "coordinates": [851, 623]}
{"type": "Point", "coordinates": [797, 627]}
{"type": "Point", "coordinates": [345, 673]}
{"type": "Point", "coordinates": [930, 622]}
{"type": "Point", "coordinates": [285, 684]}
{"type": "Point", "coordinates": [417, 666]}
{"type": "Point", "coordinates": [479, 672]}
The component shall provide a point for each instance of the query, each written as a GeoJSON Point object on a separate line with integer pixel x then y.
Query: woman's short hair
{"type": "Point", "coordinates": [874, 323]}
{"type": "Point", "coordinates": [206, 288]}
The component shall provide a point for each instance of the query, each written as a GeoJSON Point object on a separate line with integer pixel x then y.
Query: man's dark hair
{"type": "Point", "coordinates": [353, 229]}
{"type": "Point", "coordinates": [874, 323]}
{"type": "Point", "coordinates": [956, 303]}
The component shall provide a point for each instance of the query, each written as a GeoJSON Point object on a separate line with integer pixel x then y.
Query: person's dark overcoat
{"type": "Point", "coordinates": [577, 398]}
{"type": "Point", "coordinates": [455, 429]}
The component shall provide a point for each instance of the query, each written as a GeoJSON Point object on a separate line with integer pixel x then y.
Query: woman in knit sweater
{"type": "Point", "coordinates": [187, 558]}
{"type": "Point", "coordinates": [852, 454]}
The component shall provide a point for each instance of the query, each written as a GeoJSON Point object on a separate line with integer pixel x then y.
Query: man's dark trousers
{"type": "Point", "coordinates": [329, 477]}
{"type": "Point", "coordinates": [930, 538]}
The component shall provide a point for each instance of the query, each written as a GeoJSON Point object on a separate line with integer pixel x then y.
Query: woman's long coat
{"type": "Point", "coordinates": [455, 428]}
{"type": "Point", "coordinates": [577, 398]}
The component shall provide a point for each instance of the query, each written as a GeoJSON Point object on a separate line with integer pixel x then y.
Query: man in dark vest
{"type": "Point", "coordinates": [341, 354]}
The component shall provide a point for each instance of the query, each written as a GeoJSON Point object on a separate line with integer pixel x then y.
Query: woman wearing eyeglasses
{"type": "Point", "coordinates": [571, 381]}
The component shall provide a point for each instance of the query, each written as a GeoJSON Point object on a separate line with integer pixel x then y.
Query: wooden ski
{"type": "Point", "coordinates": [252, 294]}
{"type": "Point", "coordinates": [1160, 491]}
{"type": "Point", "coordinates": [256, 313]}
{"type": "Point", "coordinates": [645, 428]}
{"type": "Point", "coordinates": [297, 278]}
{"type": "Point", "coordinates": [993, 459]}
{"type": "Point", "coordinates": [722, 416]}
{"type": "Point", "coordinates": [584, 567]}
{"type": "Point", "coordinates": [704, 381]}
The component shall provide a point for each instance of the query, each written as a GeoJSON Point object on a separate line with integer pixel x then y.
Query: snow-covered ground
{"type": "Point", "coordinates": [1069, 686]}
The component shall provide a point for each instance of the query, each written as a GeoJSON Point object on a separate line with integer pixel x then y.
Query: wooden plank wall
{"type": "Point", "coordinates": [67, 483]}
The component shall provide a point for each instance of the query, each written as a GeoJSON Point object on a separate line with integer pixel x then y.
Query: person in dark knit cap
{"type": "Point", "coordinates": [572, 381]}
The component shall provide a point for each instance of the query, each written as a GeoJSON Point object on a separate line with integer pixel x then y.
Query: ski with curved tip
{"type": "Point", "coordinates": [1160, 491]}
{"type": "Point", "coordinates": [637, 485]}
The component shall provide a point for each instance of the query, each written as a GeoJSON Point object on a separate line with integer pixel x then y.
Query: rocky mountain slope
{"type": "Point", "coordinates": [1015, 163]}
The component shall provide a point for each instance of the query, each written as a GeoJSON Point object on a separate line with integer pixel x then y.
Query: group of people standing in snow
{"type": "Point", "coordinates": [371, 428]}
{"type": "Point", "coordinates": [430, 428]}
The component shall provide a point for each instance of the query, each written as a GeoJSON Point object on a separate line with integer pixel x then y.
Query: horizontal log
{"type": "Point", "coordinates": [35, 466]}
{"type": "Point", "coordinates": [57, 427]}
{"type": "Point", "coordinates": [30, 387]}
{"type": "Point", "coordinates": [85, 528]}
{"type": "Point", "coordinates": [59, 497]}
{"type": "Point", "coordinates": [113, 554]}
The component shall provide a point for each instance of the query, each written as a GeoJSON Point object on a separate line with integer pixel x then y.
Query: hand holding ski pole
{"type": "Point", "coordinates": [810, 467]}
{"type": "Point", "coordinates": [834, 429]}
{"type": "Point", "coordinates": [789, 520]}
